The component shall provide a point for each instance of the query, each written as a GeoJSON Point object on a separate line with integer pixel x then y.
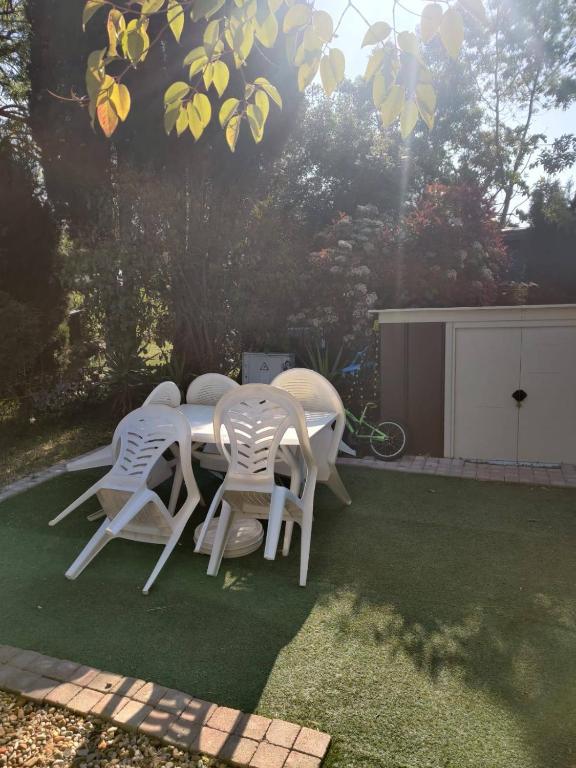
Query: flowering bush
{"type": "Point", "coordinates": [447, 252]}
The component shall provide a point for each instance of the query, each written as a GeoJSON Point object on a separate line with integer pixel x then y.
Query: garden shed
{"type": "Point", "coordinates": [487, 383]}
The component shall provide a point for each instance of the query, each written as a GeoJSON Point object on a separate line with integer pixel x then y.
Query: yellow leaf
{"type": "Point", "coordinates": [182, 120]}
{"type": "Point", "coordinates": [323, 25]}
{"type": "Point", "coordinates": [197, 66]}
{"type": "Point", "coordinates": [171, 115]}
{"type": "Point", "coordinates": [176, 92]}
{"type": "Point", "coordinates": [392, 105]}
{"type": "Point", "coordinates": [376, 33]}
{"type": "Point", "coordinates": [408, 118]}
{"type": "Point", "coordinates": [227, 111]}
{"type": "Point", "coordinates": [327, 76]}
{"type": "Point", "coordinates": [211, 34]}
{"type": "Point", "coordinates": [408, 42]}
{"type": "Point", "coordinates": [152, 6]}
{"type": "Point", "coordinates": [201, 103]}
{"type": "Point", "coordinates": [378, 89]}
{"type": "Point", "coordinates": [135, 44]}
{"type": "Point", "coordinates": [233, 131]}
{"type": "Point", "coordinates": [270, 89]}
{"type": "Point", "coordinates": [426, 98]}
{"type": "Point", "coordinates": [430, 21]}
{"type": "Point", "coordinates": [256, 122]}
{"type": "Point", "coordinates": [374, 63]}
{"type": "Point", "coordinates": [115, 25]}
{"type": "Point", "coordinates": [452, 32]}
{"type": "Point", "coordinates": [267, 32]}
{"type": "Point", "coordinates": [476, 9]}
{"type": "Point", "coordinates": [297, 16]}
{"type": "Point", "coordinates": [311, 41]}
{"type": "Point", "coordinates": [175, 18]}
{"type": "Point", "coordinates": [263, 103]}
{"type": "Point", "coordinates": [194, 121]}
{"type": "Point", "coordinates": [338, 63]}
{"type": "Point", "coordinates": [307, 73]}
{"type": "Point", "coordinates": [89, 10]}
{"type": "Point", "coordinates": [107, 117]}
{"type": "Point", "coordinates": [120, 98]}
{"type": "Point", "coordinates": [220, 76]}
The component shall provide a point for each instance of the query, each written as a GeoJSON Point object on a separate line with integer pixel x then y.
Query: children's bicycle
{"type": "Point", "coordinates": [387, 440]}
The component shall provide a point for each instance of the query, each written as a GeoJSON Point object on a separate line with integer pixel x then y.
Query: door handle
{"type": "Point", "coordinates": [519, 395]}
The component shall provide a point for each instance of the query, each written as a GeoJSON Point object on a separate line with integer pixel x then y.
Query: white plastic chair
{"type": "Point", "coordinates": [166, 393]}
{"type": "Point", "coordinates": [208, 389]}
{"type": "Point", "coordinates": [255, 418]}
{"type": "Point", "coordinates": [315, 393]}
{"type": "Point", "coordinates": [132, 509]}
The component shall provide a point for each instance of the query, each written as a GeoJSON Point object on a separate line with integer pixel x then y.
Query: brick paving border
{"type": "Point", "coordinates": [560, 477]}
{"type": "Point", "coordinates": [171, 716]}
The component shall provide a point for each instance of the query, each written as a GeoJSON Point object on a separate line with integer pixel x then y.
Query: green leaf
{"type": "Point", "coordinates": [323, 25]}
{"type": "Point", "coordinates": [392, 105]}
{"type": "Point", "coordinates": [426, 101]}
{"type": "Point", "coordinates": [476, 9]}
{"type": "Point", "coordinates": [135, 44]}
{"type": "Point", "coordinates": [452, 32]}
{"type": "Point", "coordinates": [176, 92]}
{"type": "Point", "coordinates": [408, 118]}
{"type": "Point", "coordinates": [89, 10]}
{"type": "Point", "coordinates": [120, 98]}
{"type": "Point", "coordinates": [297, 16]}
{"type": "Point", "coordinates": [430, 21]}
{"type": "Point", "coordinates": [233, 131]}
{"type": "Point", "coordinates": [377, 33]}
{"type": "Point", "coordinates": [151, 6]}
{"type": "Point", "coordinates": [227, 110]}
{"type": "Point", "coordinates": [267, 32]}
{"type": "Point", "coordinates": [175, 18]}
{"type": "Point", "coordinates": [270, 89]}
{"type": "Point", "coordinates": [220, 76]}
{"type": "Point", "coordinates": [195, 122]}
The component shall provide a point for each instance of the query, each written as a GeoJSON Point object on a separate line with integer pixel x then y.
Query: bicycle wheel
{"type": "Point", "coordinates": [388, 441]}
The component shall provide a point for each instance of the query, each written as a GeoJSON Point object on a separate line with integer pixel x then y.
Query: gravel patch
{"type": "Point", "coordinates": [33, 736]}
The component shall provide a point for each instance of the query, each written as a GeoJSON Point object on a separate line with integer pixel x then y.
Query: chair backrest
{"type": "Point", "coordinates": [166, 393]}
{"type": "Point", "coordinates": [142, 437]}
{"type": "Point", "coordinates": [255, 418]}
{"type": "Point", "coordinates": [209, 388]}
{"type": "Point", "coordinates": [315, 393]}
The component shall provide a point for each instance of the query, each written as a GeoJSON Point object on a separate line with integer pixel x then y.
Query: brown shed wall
{"type": "Point", "coordinates": [412, 382]}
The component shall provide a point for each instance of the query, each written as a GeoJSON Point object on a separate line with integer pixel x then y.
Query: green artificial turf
{"type": "Point", "coordinates": [438, 628]}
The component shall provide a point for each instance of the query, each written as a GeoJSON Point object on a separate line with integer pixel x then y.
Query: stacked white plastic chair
{"type": "Point", "coordinates": [315, 393]}
{"type": "Point", "coordinates": [255, 418]}
{"type": "Point", "coordinates": [132, 509]}
{"type": "Point", "coordinates": [208, 389]}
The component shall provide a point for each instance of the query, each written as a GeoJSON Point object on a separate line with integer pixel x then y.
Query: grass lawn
{"type": "Point", "coordinates": [27, 447]}
{"type": "Point", "coordinates": [438, 629]}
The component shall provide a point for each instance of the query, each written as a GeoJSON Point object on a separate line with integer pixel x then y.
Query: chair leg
{"type": "Point", "coordinates": [274, 522]}
{"type": "Point", "coordinates": [288, 529]}
{"type": "Point", "coordinates": [209, 516]}
{"type": "Point", "coordinates": [338, 488]}
{"type": "Point", "coordinates": [222, 533]}
{"type": "Point", "coordinates": [75, 504]}
{"type": "Point", "coordinates": [305, 541]}
{"type": "Point", "coordinates": [166, 552]}
{"type": "Point", "coordinates": [94, 546]}
{"type": "Point", "coordinates": [175, 492]}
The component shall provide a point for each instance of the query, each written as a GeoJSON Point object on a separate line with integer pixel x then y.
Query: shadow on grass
{"type": "Point", "coordinates": [465, 590]}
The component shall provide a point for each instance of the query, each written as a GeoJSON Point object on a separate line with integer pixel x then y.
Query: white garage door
{"type": "Point", "coordinates": [491, 363]}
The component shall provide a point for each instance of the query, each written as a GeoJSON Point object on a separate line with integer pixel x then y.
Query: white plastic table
{"type": "Point", "coordinates": [201, 418]}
